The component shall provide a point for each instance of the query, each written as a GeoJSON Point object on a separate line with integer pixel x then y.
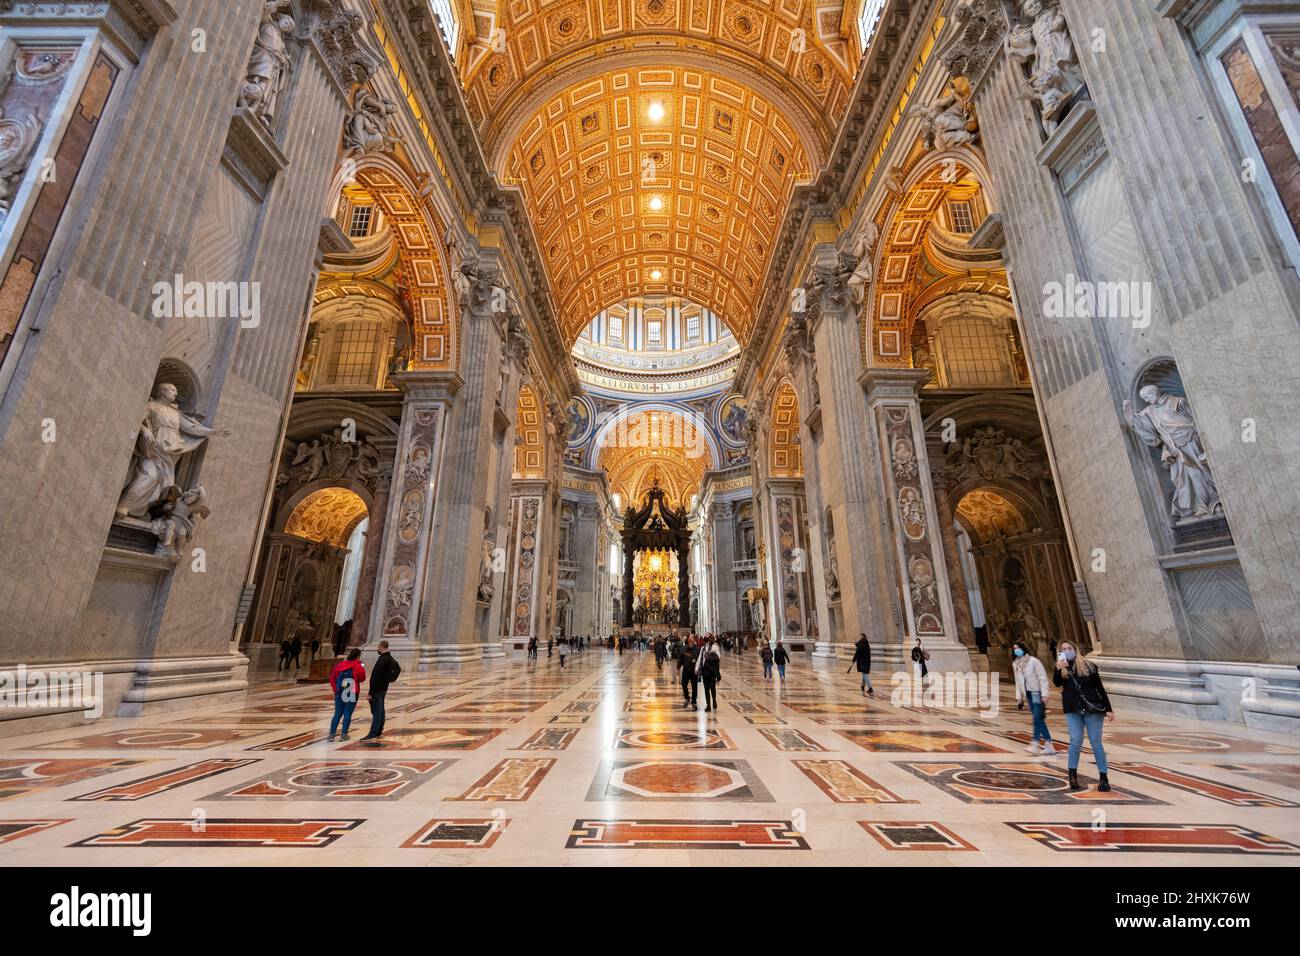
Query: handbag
{"type": "Point", "coordinates": [1089, 706]}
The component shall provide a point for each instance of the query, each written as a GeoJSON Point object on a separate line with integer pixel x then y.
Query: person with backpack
{"type": "Point", "coordinates": [765, 654]}
{"type": "Point", "coordinates": [862, 661]}
{"type": "Point", "coordinates": [562, 648]}
{"type": "Point", "coordinates": [690, 680]}
{"type": "Point", "coordinates": [1031, 685]}
{"type": "Point", "coordinates": [709, 665]}
{"type": "Point", "coordinates": [385, 673]}
{"type": "Point", "coordinates": [345, 680]}
{"type": "Point", "coordinates": [1086, 707]}
{"type": "Point", "coordinates": [782, 657]}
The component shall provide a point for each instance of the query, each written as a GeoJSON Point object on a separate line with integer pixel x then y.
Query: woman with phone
{"type": "Point", "coordinates": [1086, 706]}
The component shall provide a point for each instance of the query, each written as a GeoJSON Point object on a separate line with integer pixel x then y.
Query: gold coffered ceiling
{"type": "Point", "coordinates": [625, 206]}
{"type": "Point", "coordinates": [626, 202]}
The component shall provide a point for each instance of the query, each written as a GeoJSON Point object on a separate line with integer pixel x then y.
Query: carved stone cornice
{"type": "Point", "coordinates": [338, 32]}
{"type": "Point", "coordinates": [132, 22]}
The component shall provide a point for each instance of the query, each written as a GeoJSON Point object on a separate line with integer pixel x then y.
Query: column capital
{"type": "Point", "coordinates": [428, 386]}
{"type": "Point", "coordinates": [882, 384]}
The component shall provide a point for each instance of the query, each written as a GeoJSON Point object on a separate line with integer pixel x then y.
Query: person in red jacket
{"type": "Point", "coordinates": [346, 679]}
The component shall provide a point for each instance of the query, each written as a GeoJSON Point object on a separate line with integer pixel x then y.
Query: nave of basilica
{"type": "Point", "coordinates": [480, 327]}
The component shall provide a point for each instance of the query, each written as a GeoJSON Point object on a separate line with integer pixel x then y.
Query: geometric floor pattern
{"type": "Point", "coordinates": [503, 763]}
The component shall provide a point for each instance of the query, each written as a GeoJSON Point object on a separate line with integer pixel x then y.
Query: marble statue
{"type": "Point", "coordinates": [863, 244]}
{"type": "Point", "coordinates": [166, 434]}
{"type": "Point", "coordinates": [17, 139]}
{"type": "Point", "coordinates": [485, 588]}
{"type": "Point", "coordinates": [1167, 423]}
{"type": "Point", "coordinates": [268, 67]}
{"type": "Point", "coordinates": [1040, 42]}
{"type": "Point", "coordinates": [950, 120]}
{"type": "Point", "coordinates": [367, 126]}
{"type": "Point", "coordinates": [177, 528]}
{"type": "Point", "coordinates": [833, 579]}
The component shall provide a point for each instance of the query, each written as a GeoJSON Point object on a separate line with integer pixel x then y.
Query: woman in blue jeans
{"type": "Point", "coordinates": [345, 681]}
{"type": "Point", "coordinates": [1031, 686]}
{"type": "Point", "coordinates": [1086, 707]}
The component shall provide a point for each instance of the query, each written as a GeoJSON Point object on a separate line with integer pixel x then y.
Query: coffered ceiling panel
{"type": "Point", "coordinates": [656, 181]}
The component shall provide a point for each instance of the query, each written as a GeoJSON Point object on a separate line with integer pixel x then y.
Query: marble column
{"type": "Point", "coordinates": [892, 396]}
{"type": "Point", "coordinates": [849, 480]}
{"type": "Point", "coordinates": [449, 633]}
{"type": "Point", "coordinates": [524, 611]}
{"type": "Point", "coordinates": [586, 550]}
{"type": "Point", "coordinates": [721, 565]}
{"type": "Point", "coordinates": [783, 510]}
{"type": "Point", "coordinates": [374, 546]}
{"type": "Point", "coordinates": [401, 586]}
{"type": "Point", "coordinates": [957, 580]}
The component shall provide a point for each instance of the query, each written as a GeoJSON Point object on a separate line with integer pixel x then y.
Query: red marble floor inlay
{"type": "Point", "coordinates": [24, 776]}
{"type": "Point", "coordinates": [337, 779]}
{"type": "Point", "coordinates": [186, 832]}
{"type": "Point", "coordinates": [428, 738]}
{"type": "Point", "coordinates": [993, 782]}
{"type": "Point", "coordinates": [1157, 838]}
{"type": "Point", "coordinates": [679, 835]}
{"type": "Point", "coordinates": [11, 830]}
{"type": "Point", "coordinates": [158, 738]}
{"type": "Point", "coordinates": [918, 741]}
{"type": "Point", "coordinates": [167, 780]}
{"type": "Point", "coordinates": [1195, 743]}
{"type": "Point", "coordinates": [1213, 789]}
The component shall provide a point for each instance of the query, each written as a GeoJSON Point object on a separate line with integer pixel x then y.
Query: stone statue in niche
{"type": "Point", "coordinates": [268, 67]}
{"type": "Point", "coordinates": [863, 244]}
{"type": "Point", "coordinates": [833, 579]}
{"type": "Point", "coordinates": [485, 587]}
{"type": "Point", "coordinates": [1167, 423]}
{"type": "Point", "coordinates": [180, 522]}
{"type": "Point", "coordinates": [1030, 627]}
{"type": "Point", "coordinates": [1040, 43]}
{"type": "Point", "coordinates": [367, 126]}
{"type": "Point", "coordinates": [166, 434]}
{"type": "Point", "coordinates": [950, 120]}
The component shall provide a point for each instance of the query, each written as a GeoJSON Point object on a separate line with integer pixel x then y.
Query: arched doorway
{"type": "Point", "coordinates": [310, 571]}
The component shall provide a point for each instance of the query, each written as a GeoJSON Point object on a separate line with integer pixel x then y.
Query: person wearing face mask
{"type": "Point", "coordinates": [1031, 685]}
{"type": "Point", "coordinates": [1086, 706]}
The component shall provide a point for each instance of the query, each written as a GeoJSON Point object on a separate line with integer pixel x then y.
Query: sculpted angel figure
{"type": "Point", "coordinates": [863, 244]}
{"type": "Point", "coordinates": [268, 67]}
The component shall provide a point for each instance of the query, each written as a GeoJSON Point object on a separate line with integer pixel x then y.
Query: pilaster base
{"type": "Point", "coordinates": [493, 650]}
{"type": "Point", "coordinates": [174, 683]}
{"type": "Point", "coordinates": [830, 651]}
{"type": "Point", "coordinates": [437, 655]}
{"type": "Point", "coordinates": [1264, 696]}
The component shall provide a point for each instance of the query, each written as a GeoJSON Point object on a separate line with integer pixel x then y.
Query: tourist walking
{"type": "Point", "coordinates": [1031, 686]}
{"type": "Point", "coordinates": [782, 657]}
{"type": "Point", "coordinates": [1086, 706]}
{"type": "Point", "coordinates": [562, 648]}
{"type": "Point", "coordinates": [709, 666]}
{"type": "Point", "coordinates": [919, 656]}
{"type": "Point", "coordinates": [862, 661]}
{"type": "Point", "coordinates": [765, 654]}
{"type": "Point", "coordinates": [385, 672]}
{"type": "Point", "coordinates": [532, 649]}
{"type": "Point", "coordinates": [286, 654]}
{"type": "Point", "coordinates": [295, 649]}
{"type": "Point", "coordinates": [345, 681]}
{"type": "Point", "coordinates": [690, 680]}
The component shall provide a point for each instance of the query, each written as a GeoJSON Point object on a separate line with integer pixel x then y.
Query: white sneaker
{"type": "Point", "coordinates": [1048, 750]}
{"type": "Point", "coordinates": [1032, 748]}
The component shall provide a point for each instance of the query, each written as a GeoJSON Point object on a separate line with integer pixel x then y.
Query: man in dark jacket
{"type": "Point", "coordinates": [690, 680]}
{"type": "Point", "coordinates": [862, 658]}
{"type": "Point", "coordinates": [385, 672]}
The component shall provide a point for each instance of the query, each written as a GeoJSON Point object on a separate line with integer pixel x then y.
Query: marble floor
{"type": "Point", "coordinates": [506, 763]}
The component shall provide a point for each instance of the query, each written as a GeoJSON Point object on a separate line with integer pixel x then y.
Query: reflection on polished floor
{"type": "Point", "coordinates": [599, 764]}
